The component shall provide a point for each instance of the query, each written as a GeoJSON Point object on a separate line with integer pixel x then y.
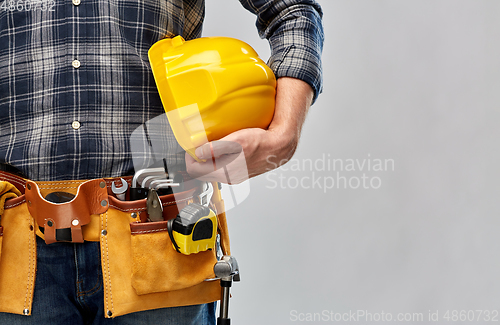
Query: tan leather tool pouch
{"type": "Point", "coordinates": [18, 258]}
{"type": "Point", "coordinates": [141, 269]}
{"type": "Point", "coordinates": [158, 267]}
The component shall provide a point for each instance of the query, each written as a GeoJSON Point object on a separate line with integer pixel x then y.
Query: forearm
{"type": "Point", "coordinates": [293, 99]}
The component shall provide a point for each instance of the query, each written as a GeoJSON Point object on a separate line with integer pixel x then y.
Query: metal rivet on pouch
{"type": "Point", "coordinates": [109, 313]}
{"type": "Point", "coordinates": [29, 202]}
{"type": "Point", "coordinates": [102, 184]}
{"type": "Point", "coordinates": [50, 223]}
{"type": "Point", "coordinates": [104, 232]}
{"type": "Point", "coordinates": [134, 215]}
{"type": "Point", "coordinates": [26, 312]}
{"type": "Point", "coordinates": [28, 186]}
{"type": "Point", "coordinates": [104, 203]}
{"type": "Point", "coordinates": [75, 222]}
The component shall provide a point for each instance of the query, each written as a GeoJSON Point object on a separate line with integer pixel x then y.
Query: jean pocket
{"type": "Point", "coordinates": [158, 267]}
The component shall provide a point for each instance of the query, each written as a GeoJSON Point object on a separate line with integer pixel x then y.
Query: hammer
{"type": "Point", "coordinates": [227, 270]}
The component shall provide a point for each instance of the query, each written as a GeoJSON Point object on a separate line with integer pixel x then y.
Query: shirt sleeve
{"type": "Point", "coordinates": [294, 29]}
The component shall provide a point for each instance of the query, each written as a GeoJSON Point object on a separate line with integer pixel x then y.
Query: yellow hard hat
{"type": "Point", "coordinates": [211, 87]}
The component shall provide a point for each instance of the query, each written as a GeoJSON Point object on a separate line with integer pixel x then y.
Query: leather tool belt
{"type": "Point", "coordinates": [131, 247]}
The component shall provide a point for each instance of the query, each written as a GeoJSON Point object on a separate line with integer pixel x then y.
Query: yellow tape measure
{"type": "Point", "coordinates": [193, 230]}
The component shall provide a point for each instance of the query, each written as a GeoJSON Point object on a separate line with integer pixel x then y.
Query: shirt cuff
{"type": "Point", "coordinates": [296, 47]}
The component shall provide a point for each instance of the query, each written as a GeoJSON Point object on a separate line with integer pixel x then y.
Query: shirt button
{"type": "Point", "coordinates": [76, 2]}
{"type": "Point", "coordinates": [75, 125]}
{"type": "Point", "coordinates": [76, 64]}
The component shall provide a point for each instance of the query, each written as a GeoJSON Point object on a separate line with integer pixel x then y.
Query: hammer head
{"type": "Point", "coordinates": [227, 267]}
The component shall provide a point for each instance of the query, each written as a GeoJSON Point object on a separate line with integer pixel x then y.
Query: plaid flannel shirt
{"type": "Point", "coordinates": [75, 79]}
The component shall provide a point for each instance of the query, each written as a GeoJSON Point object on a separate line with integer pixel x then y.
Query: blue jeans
{"type": "Point", "coordinates": [69, 291]}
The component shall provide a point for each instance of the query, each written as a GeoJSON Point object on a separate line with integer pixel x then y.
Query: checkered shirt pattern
{"type": "Point", "coordinates": [75, 79]}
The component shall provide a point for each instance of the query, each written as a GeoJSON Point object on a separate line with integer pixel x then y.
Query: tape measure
{"type": "Point", "coordinates": [193, 230]}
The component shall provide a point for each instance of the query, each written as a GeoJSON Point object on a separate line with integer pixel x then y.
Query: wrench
{"type": "Point", "coordinates": [120, 191]}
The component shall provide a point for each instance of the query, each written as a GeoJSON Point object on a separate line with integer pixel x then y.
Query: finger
{"type": "Point", "coordinates": [229, 170]}
{"type": "Point", "coordinates": [204, 172]}
{"type": "Point", "coordinates": [211, 165]}
{"type": "Point", "coordinates": [199, 169]}
{"type": "Point", "coordinates": [217, 149]}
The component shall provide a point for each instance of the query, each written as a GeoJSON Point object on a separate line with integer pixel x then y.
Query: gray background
{"type": "Point", "coordinates": [413, 81]}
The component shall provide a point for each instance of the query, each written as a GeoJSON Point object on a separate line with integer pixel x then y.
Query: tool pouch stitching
{"type": "Point", "coordinates": [32, 271]}
{"type": "Point", "coordinates": [1, 240]}
{"type": "Point", "coordinates": [108, 296]}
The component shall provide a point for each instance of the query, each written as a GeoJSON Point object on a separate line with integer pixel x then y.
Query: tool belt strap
{"type": "Point", "coordinates": [92, 198]}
